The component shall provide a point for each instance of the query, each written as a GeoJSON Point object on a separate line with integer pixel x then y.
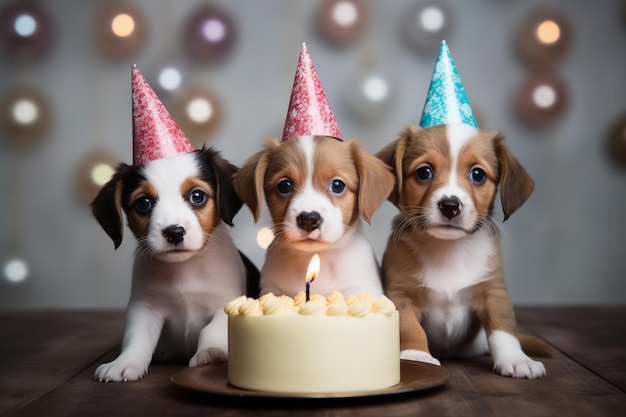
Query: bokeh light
{"type": "Point", "coordinates": [425, 24]}
{"type": "Point", "coordinates": [95, 170]}
{"type": "Point", "coordinates": [264, 237]}
{"type": "Point", "coordinates": [15, 270]}
{"type": "Point", "coordinates": [25, 25]}
{"type": "Point", "coordinates": [368, 95]}
{"type": "Point", "coordinates": [342, 22]}
{"type": "Point", "coordinates": [123, 25]}
{"type": "Point", "coordinates": [548, 32]}
{"type": "Point", "coordinates": [543, 38]}
{"type": "Point", "coordinates": [432, 19]}
{"type": "Point", "coordinates": [209, 34]}
{"type": "Point", "coordinates": [198, 112]}
{"type": "Point", "coordinates": [541, 100]}
{"type": "Point", "coordinates": [26, 30]}
{"type": "Point", "coordinates": [24, 116]}
{"type": "Point", "coordinates": [25, 111]}
{"type": "Point", "coordinates": [120, 30]}
{"type": "Point", "coordinates": [375, 88]}
{"type": "Point", "coordinates": [170, 78]}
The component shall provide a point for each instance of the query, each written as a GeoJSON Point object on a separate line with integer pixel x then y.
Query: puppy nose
{"type": "Point", "coordinates": [450, 206]}
{"type": "Point", "coordinates": [174, 234]}
{"type": "Point", "coordinates": [309, 220]}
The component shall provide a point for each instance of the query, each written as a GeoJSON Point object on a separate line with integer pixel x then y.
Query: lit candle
{"type": "Point", "coordinates": [311, 273]}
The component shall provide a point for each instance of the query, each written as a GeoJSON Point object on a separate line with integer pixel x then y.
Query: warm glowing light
{"type": "Point", "coordinates": [170, 78]}
{"type": "Point", "coordinates": [214, 30]}
{"type": "Point", "coordinates": [314, 268]}
{"type": "Point", "coordinates": [432, 19]}
{"type": "Point", "coordinates": [25, 112]}
{"type": "Point", "coordinates": [264, 237]}
{"type": "Point", "coordinates": [544, 96]}
{"type": "Point", "coordinates": [102, 173]}
{"type": "Point", "coordinates": [200, 110]}
{"type": "Point", "coordinates": [25, 25]}
{"type": "Point", "coordinates": [345, 13]}
{"type": "Point", "coordinates": [123, 25]}
{"type": "Point", "coordinates": [375, 88]}
{"type": "Point", "coordinates": [15, 271]}
{"type": "Point", "coordinates": [548, 32]}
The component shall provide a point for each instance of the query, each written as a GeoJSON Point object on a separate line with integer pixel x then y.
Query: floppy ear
{"type": "Point", "coordinates": [228, 202]}
{"type": "Point", "coordinates": [515, 183]}
{"type": "Point", "coordinates": [249, 180]}
{"type": "Point", "coordinates": [375, 180]}
{"type": "Point", "coordinates": [107, 206]}
{"type": "Point", "coordinates": [393, 155]}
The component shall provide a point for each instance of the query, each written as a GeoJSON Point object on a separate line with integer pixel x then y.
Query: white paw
{"type": "Point", "coordinates": [521, 367]}
{"type": "Point", "coordinates": [210, 355]}
{"type": "Point", "coordinates": [119, 371]}
{"type": "Point", "coordinates": [419, 356]}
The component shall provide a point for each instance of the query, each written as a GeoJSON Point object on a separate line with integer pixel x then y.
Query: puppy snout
{"type": "Point", "coordinates": [174, 234]}
{"type": "Point", "coordinates": [309, 220]}
{"type": "Point", "coordinates": [450, 206]}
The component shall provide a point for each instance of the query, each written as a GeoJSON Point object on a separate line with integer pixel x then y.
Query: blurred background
{"type": "Point", "coordinates": [550, 74]}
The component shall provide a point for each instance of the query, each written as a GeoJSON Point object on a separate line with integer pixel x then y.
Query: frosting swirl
{"type": "Point", "coordinates": [334, 305]}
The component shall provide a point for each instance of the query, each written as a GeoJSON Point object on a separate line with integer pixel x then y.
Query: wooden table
{"type": "Point", "coordinates": [47, 360]}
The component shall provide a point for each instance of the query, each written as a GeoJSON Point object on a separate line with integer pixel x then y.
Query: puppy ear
{"type": "Point", "coordinates": [375, 180]}
{"type": "Point", "coordinates": [228, 202]}
{"type": "Point", "coordinates": [516, 185]}
{"type": "Point", "coordinates": [249, 180]}
{"type": "Point", "coordinates": [393, 155]}
{"type": "Point", "coordinates": [107, 206]}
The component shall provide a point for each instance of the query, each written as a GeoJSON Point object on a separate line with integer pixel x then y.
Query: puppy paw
{"type": "Point", "coordinates": [210, 355]}
{"type": "Point", "coordinates": [119, 371]}
{"type": "Point", "coordinates": [419, 356]}
{"type": "Point", "coordinates": [522, 367]}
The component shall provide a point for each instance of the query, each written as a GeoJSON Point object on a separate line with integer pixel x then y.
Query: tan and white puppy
{"type": "Point", "coordinates": [317, 189]}
{"type": "Point", "coordinates": [186, 266]}
{"type": "Point", "coordinates": [443, 264]}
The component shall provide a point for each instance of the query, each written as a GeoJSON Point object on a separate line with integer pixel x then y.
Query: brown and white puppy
{"type": "Point", "coordinates": [317, 189]}
{"type": "Point", "coordinates": [443, 264]}
{"type": "Point", "coordinates": [186, 265]}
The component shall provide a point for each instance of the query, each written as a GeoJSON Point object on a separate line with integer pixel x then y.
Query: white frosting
{"type": "Point", "coordinates": [324, 345]}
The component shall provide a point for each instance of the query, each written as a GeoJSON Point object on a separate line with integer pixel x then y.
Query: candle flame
{"type": "Point", "coordinates": [314, 268]}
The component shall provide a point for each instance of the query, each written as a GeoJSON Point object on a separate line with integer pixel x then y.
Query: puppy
{"type": "Point", "coordinates": [186, 266]}
{"type": "Point", "coordinates": [443, 264]}
{"type": "Point", "coordinates": [317, 189]}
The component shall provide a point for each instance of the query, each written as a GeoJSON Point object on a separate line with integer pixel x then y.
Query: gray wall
{"type": "Point", "coordinates": [565, 246]}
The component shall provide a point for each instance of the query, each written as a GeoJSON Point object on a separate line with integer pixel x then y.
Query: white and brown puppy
{"type": "Point", "coordinates": [317, 189]}
{"type": "Point", "coordinates": [443, 265]}
{"type": "Point", "coordinates": [186, 266]}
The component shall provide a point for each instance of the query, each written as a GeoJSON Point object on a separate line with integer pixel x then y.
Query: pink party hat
{"type": "Point", "coordinates": [155, 133]}
{"type": "Point", "coordinates": [309, 113]}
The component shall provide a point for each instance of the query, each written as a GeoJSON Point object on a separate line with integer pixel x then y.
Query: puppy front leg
{"type": "Point", "coordinates": [212, 341]}
{"type": "Point", "coordinates": [413, 339]}
{"type": "Point", "coordinates": [141, 334]}
{"type": "Point", "coordinates": [496, 315]}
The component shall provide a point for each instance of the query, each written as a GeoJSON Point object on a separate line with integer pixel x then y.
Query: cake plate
{"type": "Point", "coordinates": [212, 378]}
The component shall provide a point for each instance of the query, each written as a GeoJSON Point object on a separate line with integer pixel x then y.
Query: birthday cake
{"type": "Point", "coordinates": [324, 345]}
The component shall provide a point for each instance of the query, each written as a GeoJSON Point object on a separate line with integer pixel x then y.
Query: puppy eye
{"type": "Point", "coordinates": [478, 175]}
{"type": "Point", "coordinates": [197, 198]}
{"type": "Point", "coordinates": [144, 204]}
{"type": "Point", "coordinates": [337, 186]}
{"type": "Point", "coordinates": [424, 173]}
{"type": "Point", "coordinates": [285, 187]}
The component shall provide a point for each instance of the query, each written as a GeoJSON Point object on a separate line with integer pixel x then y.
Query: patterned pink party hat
{"type": "Point", "coordinates": [309, 113]}
{"type": "Point", "coordinates": [155, 133]}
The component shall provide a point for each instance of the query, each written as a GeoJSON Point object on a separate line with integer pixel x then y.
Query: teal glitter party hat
{"type": "Point", "coordinates": [446, 102]}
